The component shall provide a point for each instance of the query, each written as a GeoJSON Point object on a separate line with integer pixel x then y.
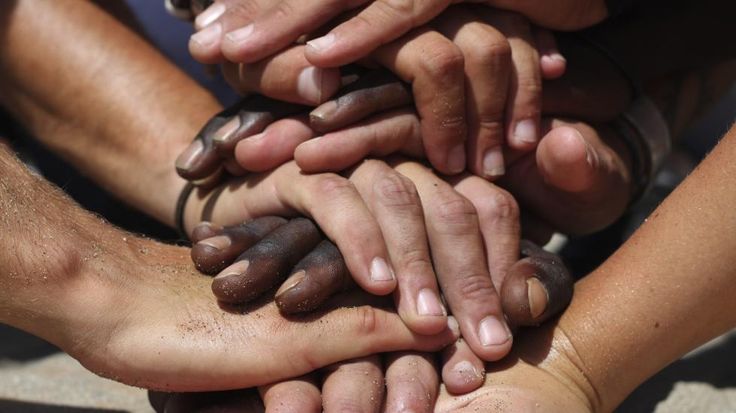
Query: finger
{"type": "Point", "coordinates": [262, 266]}
{"type": "Point", "coordinates": [254, 115]}
{"type": "Point", "coordinates": [292, 396]}
{"type": "Point", "coordinates": [286, 76]}
{"type": "Point", "coordinates": [354, 386]}
{"type": "Point", "coordinates": [220, 18]}
{"type": "Point", "coordinates": [205, 230]}
{"type": "Point", "coordinates": [234, 401]}
{"type": "Point", "coordinates": [435, 68]}
{"type": "Point", "coordinates": [537, 288]}
{"type": "Point", "coordinates": [379, 23]}
{"type": "Point", "coordinates": [279, 26]}
{"type": "Point", "coordinates": [553, 64]}
{"type": "Point", "coordinates": [375, 92]}
{"type": "Point", "coordinates": [498, 215]}
{"type": "Point", "coordinates": [487, 74]}
{"type": "Point", "coordinates": [381, 135]}
{"type": "Point", "coordinates": [212, 254]}
{"type": "Point", "coordinates": [274, 146]}
{"type": "Point", "coordinates": [462, 371]}
{"type": "Point", "coordinates": [249, 116]}
{"type": "Point", "coordinates": [524, 102]}
{"type": "Point", "coordinates": [460, 262]}
{"type": "Point", "coordinates": [315, 278]}
{"type": "Point", "coordinates": [412, 383]}
{"type": "Point", "coordinates": [394, 201]}
{"type": "Point", "coordinates": [577, 182]}
{"type": "Point", "coordinates": [287, 191]}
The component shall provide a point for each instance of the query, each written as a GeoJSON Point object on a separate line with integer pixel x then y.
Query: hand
{"type": "Point", "coordinates": [486, 62]}
{"type": "Point", "coordinates": [168, 333]}
{"type": "Point", "coordinates": [249, 30]}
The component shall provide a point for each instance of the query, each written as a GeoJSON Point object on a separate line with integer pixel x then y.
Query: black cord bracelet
{"type": "Point", "coordinates": [181, 204]}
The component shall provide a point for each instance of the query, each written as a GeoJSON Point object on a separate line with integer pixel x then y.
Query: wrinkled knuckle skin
{"type": "Point", "coordinates": [490, 51]}
{"type": "Point", "coordinates": [443, 62]}
{"type": "Point", "coordinates": [475, 287]}
{"type": "Point", "coordinates": [500, 205]}
{"type": "Point", "coordinates": [416, 261]}
{"type": "Point", "coordinates": [241, 12]}
{"type": "Point", "coordinates": [396, 191]}
{"type": "Point", "coordinates": [454, 214]}
{"type": "Point", "coordinates": [333, 186]}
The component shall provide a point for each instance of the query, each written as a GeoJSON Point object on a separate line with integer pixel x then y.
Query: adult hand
{"type": "Point", "coordinates": [249, 30]}
{"type": "Point", "coordinates": [475, 73]}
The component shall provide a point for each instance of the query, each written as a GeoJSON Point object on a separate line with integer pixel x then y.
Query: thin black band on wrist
{"type": "Point", "coordinates": [181, 204]}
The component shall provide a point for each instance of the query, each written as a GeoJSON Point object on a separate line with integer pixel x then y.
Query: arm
{"type": "Point", "coordinates": [93, 100]}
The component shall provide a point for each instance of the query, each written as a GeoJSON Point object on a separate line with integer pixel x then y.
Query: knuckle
{"type": "Point", "coordinates": [490, 51]}
{"type": "Point", "coordinates": [500, 205]}
{"type": "Point", "coordinates": [333, 186]}
{"type": "Point", "coordinates": [475, 286]}
{"type": "Point", "coordinates": [530, 86]}
{"type": "Point", "coordinates": [443, 61]}
{"type": "Point", "coordinates": [240, 12]}
{"type": "Point", "coordinates": [416, 261]}
{"type": "Point", "coordinates": [454, 214]}
{"type": "Point", "coordinates": [283, 10]}
{"type": "Point", "coordinates": [396, 191]}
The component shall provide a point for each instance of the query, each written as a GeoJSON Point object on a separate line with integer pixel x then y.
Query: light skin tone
{"type": "Point", "coordinates": [475, 74]}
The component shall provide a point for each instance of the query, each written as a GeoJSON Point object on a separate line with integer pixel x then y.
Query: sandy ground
{"type": "Point", "coordinates": [34, 377]}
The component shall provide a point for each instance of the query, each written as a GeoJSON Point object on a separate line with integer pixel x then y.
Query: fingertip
{"type": "Point", "coordinates": [566, 160]}
{"type": "Point", "coordinates": [204, 45]}
{"type": "Point", "coordinates": [553, 66]}
{"type": "Point", "coordinates": [462, 377]}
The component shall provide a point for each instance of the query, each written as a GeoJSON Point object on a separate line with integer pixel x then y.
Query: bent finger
{"type": "Point", "coordinates": [295, 395]}
{"type": "Point", "coordinates": [354, 386]}
{"type": "Point", "coordinates": [412, 383]}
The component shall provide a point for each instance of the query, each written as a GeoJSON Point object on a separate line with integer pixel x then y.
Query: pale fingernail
{"type": "Point", "coordinates": [238, 268]}
{"type": "Point", "coordinates": [187, 158]}
{"type": "Point", "coordinates": [208, 36]}
{"type": "Point", "coordinates": [467, 370]}
{"type": "Point", "coordinates": [240, 35]}
{"type": "Point", "coordinates": [556, 56]}
{"type": "Point", "coordinates": [525, 132]}
{"type": "Point", "coordinates": [456, 159]}
{"type": "Point", "coordinates": [227, 130]}
{"type": "Point", "coordinates": [537, 296]}
{"type": "Point", "coordinates": [323, 43]}
{"type": "Point", "coordinates": [380, 271]}
{"type": "Point", "coordinates": [309, 84]}
{"type": "Point", "coordinates": [453, 325]}
{"type": "Point", "coordinates": [209, 16]}
{"type": "Point", "coordinates": [291, 282]}
{"type": "Point", "coordinates": [324, 111]}
{"type": "Point", "coordinates": [493, 163]}
{"type": "Point", "coordinates": [428, 304]}
{"type": "Point", "coordinates": [493, 332]}
{"type": "Point", "coordinates": [219, 242]}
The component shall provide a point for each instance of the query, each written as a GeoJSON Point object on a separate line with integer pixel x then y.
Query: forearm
{"type": "Point", "coordinates": [668, 289]}
{"type": "Point", "coordinates": [96, 93]}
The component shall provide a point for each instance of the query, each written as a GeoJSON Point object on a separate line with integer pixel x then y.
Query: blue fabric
{"type": "Point", "coordinates": [171, 36]}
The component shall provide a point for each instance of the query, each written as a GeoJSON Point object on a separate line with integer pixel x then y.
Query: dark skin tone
{"type": "Point", "coordinates": [274, 246]}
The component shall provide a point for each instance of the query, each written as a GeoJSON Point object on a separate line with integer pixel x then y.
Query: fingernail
{"type": "Point", "coordinates": [323, 43]}
{"type": "Point", "coordinates": [240, 35]}
{"type": "Point", "coordinates": [309, 84]}
{"type": "Point", "coordinates": [323, 111]}
{"type": "Point", "coordinates": [291, 282]}
{"type": "Point", "coordinates": [219, 242]}
{"type": "Point", "coordinates": [208, 36]}
{"type": "Point", "coordinates": [493, 163]}
{"type": "Point", "coordinates": [556, 56]}
{"type": "Point", "coordinates": [493, 332]}
{"type": "Point", "coordinates": [537, 295]}
{"type": "Point", "coordinates": [456, 159]}
{"type": "Point", "coordinates": [428, 304]}
{"type": "Point", "coordinates": [187, 158]}
{"type": "Point", "coordinates": [238, 268]}
{"type": "Point", "coordinates": [227, 130]}
{"type": "Point", "coordinates": [209, 16]}
{"type": "Point", "coordinates": [256, 137]}
{"type": "Point", "coordinates": [453, 325]}
{"type": "Point", "coordinates": [467, 370]}
{"type": "Point", "coordinates": [525, 132]}
{"type": "Point", "coordinates": [380, 271]}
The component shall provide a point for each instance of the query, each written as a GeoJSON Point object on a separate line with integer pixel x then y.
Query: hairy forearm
{"type": "Point", "coordinates": [96, 93]}
{"type": "Point", "coordinates": [668, 289]}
